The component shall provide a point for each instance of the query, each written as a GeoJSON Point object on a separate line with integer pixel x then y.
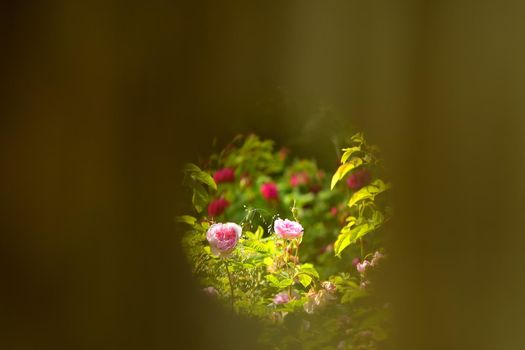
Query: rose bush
{"type": "Point", "coordinates": [277, 239]}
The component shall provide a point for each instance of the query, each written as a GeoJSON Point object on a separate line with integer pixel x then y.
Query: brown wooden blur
{"type": "Point", "coordinates": [103, 101]}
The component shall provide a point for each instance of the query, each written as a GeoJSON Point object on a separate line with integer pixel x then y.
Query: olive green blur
{"type": "Point", "coordinates": [103, 102]}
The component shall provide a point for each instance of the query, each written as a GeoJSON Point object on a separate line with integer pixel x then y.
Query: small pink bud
{"type": "Point", "coordinates": [358, 179]}
{"type": "Point", "coordinates": [269, 191]}
{"type": "Point", "coordinates": [217, 207]}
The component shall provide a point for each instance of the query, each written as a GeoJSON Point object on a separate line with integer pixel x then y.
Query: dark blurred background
{"type": "Point", "coordinates": [103, 101]}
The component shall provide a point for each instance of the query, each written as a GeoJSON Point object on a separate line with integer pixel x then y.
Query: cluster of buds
{"type": "Point", "coordinates": [363, 266]}
{"type": "Point", "coordinates": [317, 300]}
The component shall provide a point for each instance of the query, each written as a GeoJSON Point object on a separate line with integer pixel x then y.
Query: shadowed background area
{"type": "Point", "coordinates": [103, 102]}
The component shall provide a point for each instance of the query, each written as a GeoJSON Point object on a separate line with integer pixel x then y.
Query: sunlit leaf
{"type": "Point", "coordinates": [348, 152]}
{"type": "Point", "coordinates": [305, 280]}
{"type": "Point", "coordinates": [343, 241]}
{"type": "Point", "coordinates": [273, 280]}
{"type": "Point", "coordinates": [309, 269]}
{"type": "Point", "coordinates": [359, 138]}
{"type": "Point", "coordinates": [344, 169]}
{"type": "Point", "coordinates": [370, 191]}
{"type": "Point", "coordinates": [268, 261]}
{"type": "Point", "coordinates": [285, 283]}
{"type": "Point", "coordinates": [186, 219]}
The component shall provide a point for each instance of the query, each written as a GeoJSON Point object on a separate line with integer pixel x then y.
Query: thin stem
{"type": "Point", "coordinates": [230, 280]}
{"type": "Point", "coordinates": [362, 253]}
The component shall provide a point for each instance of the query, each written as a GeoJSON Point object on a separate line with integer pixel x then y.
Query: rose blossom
{"type": "Point", "coordinates": [223, 238]}
{"type": "Point", "coordinates": [217, 207]}
{"type": "Point", "coordinates": [288, 229]}
{"type": "Point", "coordinates": [358, 179]}
{"type": "Point", "coordinates": [269, 191]}
{"type": "Point", "coordinates": [281, 298]}
{"type": "Point", "coordinates": [224, 175]}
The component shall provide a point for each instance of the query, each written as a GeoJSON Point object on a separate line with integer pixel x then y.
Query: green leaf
{"type": "Point", "coordinates": [343, 241]}
{"type": "Point", "coordinates": [198, 175]}
{"type": "Point", "coordinates": [268, 261]}
{"type": "Point", "coordinates": [273, 280]}
{"type": "Point", "coordinates": [348, 152]}
{"type": "Point", "coordinates": [259, 232]}
{"type": "Point", "coordinates": [305, 279]}
{"type": "Point", "coordinates": [349, 236]}
{"type": "Point", "coordinates": [359, 138]}
{"type": "Point", "coordinates": [199, 198]}
{"type": "Point", "coordinates": [344, 169]}
{"type": "Point", "coordinates": [285, 283]}
{"type": "Point", "coordinates": [309, 269]}
{"type": "Point", "coordinates": [370, 191]}
{"type": "Point", "coordinates": [186, 219]}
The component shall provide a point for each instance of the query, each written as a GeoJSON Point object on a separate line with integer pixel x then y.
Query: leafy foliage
{"type": "Point", "coordinates": [314, 291]}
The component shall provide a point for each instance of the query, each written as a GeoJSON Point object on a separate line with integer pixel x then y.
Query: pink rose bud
{"type": "Point", "coordinates": [224, 175]}
{"type": "Point", "coordinates": [217, 207]}
{"type": "Point", "coordinates": [355, 261]}
{"type": "Point", "coordinates": [358, 179]}
{"type": "Point", "coordinates": [333, 211]}
{"type": "Point", "coordinates": [269, 191]}
{"type": "Point", "coordinates": [288, 229]}
{"type": "Point", "coordinates": [223, 238]}
{"type": "Point", "coordinates": [281, 298]}
{"type": "Point", "coordinates": [361, 267]}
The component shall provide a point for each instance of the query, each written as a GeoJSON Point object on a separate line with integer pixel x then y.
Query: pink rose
{"type": "Point", "coordinates": [358, 179]}
{"type": "Point", "coordinates": [288, 229]}
{"type": "Point", "coordinates": [224, 175]}
{"type": "Point", "coordinates": [223, 238]}
{"type": "Point", "coordinates": [217, 207]}
{"type": "Point", "coordinates": [281, 298]}
{"type": "Point", "coordinates": [269, 191]}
